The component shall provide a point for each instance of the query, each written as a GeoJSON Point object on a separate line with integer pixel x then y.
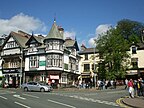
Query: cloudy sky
{"type": "Point", "coordinates": [83, 19]}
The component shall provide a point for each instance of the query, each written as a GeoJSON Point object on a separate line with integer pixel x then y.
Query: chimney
{"type": "Point", "coordinates": [61, 30]}
{"type": "Point", "coordinates": [83, 47]}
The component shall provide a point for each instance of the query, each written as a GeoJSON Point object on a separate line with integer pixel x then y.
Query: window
{"type": "Point", "coordinates": [94, 67]}
{"type": "Point", "coordinates": [11, 44]}
{"type": "Point", "coordinates": [13, 63]}
{"type": "Point", "coordinates": [133, 50]}
{"type": "Point", "coordinates": [86, 67]}
{"type": "Point", "coordinates": [72, 64]}
{"type": "Point", "coordinates": [86, 56]}
{"type": "Point", "coordinates": [56, 45]}
{"type": "Point", "coordinates": [50, 45]}
{"type": "Point", "coordinates": [134, 62]}
{"type": "Point", "coordinates": [54, 60]}
{"type": "Point", "coordinates": [73, 51]}
{"type": "Point", "coordinates": [64, 78]}
{"type": "Point", "coordinates": [33, 61]}
{"type": "Point", "coordinates": [61, 46]}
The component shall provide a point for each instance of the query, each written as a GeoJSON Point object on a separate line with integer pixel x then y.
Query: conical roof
{"type": "Point", "coordinates": [54, 33]}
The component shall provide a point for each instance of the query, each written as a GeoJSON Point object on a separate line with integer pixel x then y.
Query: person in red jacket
{"type": "Point", "coordinates": [131, 88]}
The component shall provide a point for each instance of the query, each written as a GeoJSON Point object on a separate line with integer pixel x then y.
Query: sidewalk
{"type": "Point", "coordinates": [137, 102]}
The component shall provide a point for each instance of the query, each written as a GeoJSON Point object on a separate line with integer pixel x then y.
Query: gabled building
{"type": "Point", "coordinates": [136, 67]}
{"type": "Point", "coordinates": [51, 59]}
{"type": "Point", "coordinates": [88, 64]}
{"type": "Point", "coordinates": [12, 57]}
{"type": "Point", "coordinates": [87, 67]}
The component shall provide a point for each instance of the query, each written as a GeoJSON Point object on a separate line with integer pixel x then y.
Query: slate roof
{"type": "Point", "coordinates": [54, 33]}
{"type": "Point", "coordinates": [20, 39]}
{"type": "Point", "coordinates": [71, 43]}
{"type": "Point", "coordinates": [88, 51]}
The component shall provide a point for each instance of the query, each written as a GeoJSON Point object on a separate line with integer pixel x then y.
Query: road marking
{"type": "Point", "coordinates": [30, 95]}
{"type": "Point", "coordinates": [18, 96]}
{"type": "Point", "coordinates": [22, 105]}
{"type": "Point", "coordinates": [90, 99]}
{"type": "Point", "coordinates": [61, 103]}
{"type": "Point", "coordinates": [115, 92]}
{"type": "Point", "coordinates": [3, 97]}
{"type": "Point", "coordinates": [118, 101]}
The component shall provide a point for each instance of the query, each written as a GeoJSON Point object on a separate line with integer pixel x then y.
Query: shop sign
{"type": "Point", "coordinates": [54, 76]}
{"type": "Point", "coordinates": [42, 63]}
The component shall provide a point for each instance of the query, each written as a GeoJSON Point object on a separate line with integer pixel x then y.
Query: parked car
{"type": "Point", "coordinates": [35, 86]}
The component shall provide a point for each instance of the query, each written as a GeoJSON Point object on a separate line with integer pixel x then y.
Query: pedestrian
{"type": "Point", "coordinates": [131, 88]}
{"type": "Point", "coordinates": [139, 87]}
{"type": "Point", "coordinates": [114, 84]}
{"type": "Point", "coordinates": [126, 83]}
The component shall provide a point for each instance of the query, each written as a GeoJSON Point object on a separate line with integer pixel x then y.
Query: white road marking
{"type": "Point", "coordinates": [30, 95]}
{"type": "Point", "coordinates": [61, 103]}
{"type": "Point", "coordinates": [90, 99]}
{"type": "Point", "coordinates": [18, 96]}
{"type": "Point", "coordinates": [22, 105]}
{"type": "Point", "coordinates": [3, 97]}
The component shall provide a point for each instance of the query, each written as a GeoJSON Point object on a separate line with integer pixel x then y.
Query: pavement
{"type": "Point", "coordinates": [137, 102]}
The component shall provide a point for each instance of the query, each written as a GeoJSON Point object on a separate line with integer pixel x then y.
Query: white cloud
{"type": "Point", "coordinates": [71, 34]}
{"type": "Point", "coordinates": [21, 22]}
{"type": "Point", "coordinates": [103, 28]}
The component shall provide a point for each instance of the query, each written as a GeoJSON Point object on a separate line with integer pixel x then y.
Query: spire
{"type": "Point", "coordinates": [55, 18]}
{"type": "Point", "coordinates": [32, 33]}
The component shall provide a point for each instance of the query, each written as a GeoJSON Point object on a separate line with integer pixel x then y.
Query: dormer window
{"type": "Point", "coordinates": [133, 50]}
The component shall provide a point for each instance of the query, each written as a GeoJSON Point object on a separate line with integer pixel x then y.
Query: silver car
{"type": "Point", "coordinates": [35, 86]}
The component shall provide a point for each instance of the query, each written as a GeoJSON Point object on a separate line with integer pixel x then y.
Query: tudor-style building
{"type": "Point", "coordinates": [12, 57]}
{"type": "Point", "coordinates": [52, 59]}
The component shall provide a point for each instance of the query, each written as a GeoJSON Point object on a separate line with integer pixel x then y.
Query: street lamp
{"type": "Point", "coordinates": [20, 74]}
{"type": "Point", "coordinates": [95, 74]}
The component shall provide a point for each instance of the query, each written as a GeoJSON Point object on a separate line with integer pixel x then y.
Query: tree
{"type": "Point", "coordinates": [130, 30]}
{"type": "Point", "coordinates": [112, 48]}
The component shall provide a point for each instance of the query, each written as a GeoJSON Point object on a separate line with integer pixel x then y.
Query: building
{"type": "Point", "coordinates": [52, 59]}
{"type": "Point", "coordinates": [136, 66]}
{"type": "Point", "coordinates": [12, 61]}
{"type": "Point", "coordinates": [89, 64]}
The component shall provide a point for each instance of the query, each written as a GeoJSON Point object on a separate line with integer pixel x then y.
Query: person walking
{"type": "Point", "coordinates": [126, 83]}
{"type": "Point", "coordinates": [139, 88]}
{"type": "Point", "coordinates": [131, 88]}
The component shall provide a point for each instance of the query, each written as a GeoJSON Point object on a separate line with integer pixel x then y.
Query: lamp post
{"type": "Point", "coordinates": [95, 80]}
{"type": "Point", "coordinates": [20, 74]}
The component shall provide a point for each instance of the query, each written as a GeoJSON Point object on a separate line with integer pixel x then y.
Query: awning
{"type": "Point", "coordinates": [54, 76]}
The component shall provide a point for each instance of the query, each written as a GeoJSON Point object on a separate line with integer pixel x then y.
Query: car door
{"type": "Point", "coordinates": [30, 85]}
{"type": "Point", "coordinates": [36, 86]}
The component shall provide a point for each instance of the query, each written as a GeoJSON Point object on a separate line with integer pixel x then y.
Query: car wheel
{"type": "Point", "coordinates": [25, 89]}
{"type": "Point", "coordinates": [42, 89]}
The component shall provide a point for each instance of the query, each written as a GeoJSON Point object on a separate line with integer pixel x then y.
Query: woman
{"type": "Point", "coordinates": [131, 88]}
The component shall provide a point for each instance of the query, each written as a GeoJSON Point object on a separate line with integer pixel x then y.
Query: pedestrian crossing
{"type": "Point", "coordinates": [88, 99]}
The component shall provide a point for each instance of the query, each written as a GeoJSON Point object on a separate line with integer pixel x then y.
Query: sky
{"type": "Point", "coordinates": [81, 19]}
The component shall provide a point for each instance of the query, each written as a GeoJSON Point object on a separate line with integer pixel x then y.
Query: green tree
{"type": "Point", "coordinates": [112, 48]}
{"type": "Point", "coordinates": [130, 30]}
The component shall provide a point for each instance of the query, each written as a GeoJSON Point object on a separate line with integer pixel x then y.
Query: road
{"type": "Point", "coordinates": [16, 98]}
